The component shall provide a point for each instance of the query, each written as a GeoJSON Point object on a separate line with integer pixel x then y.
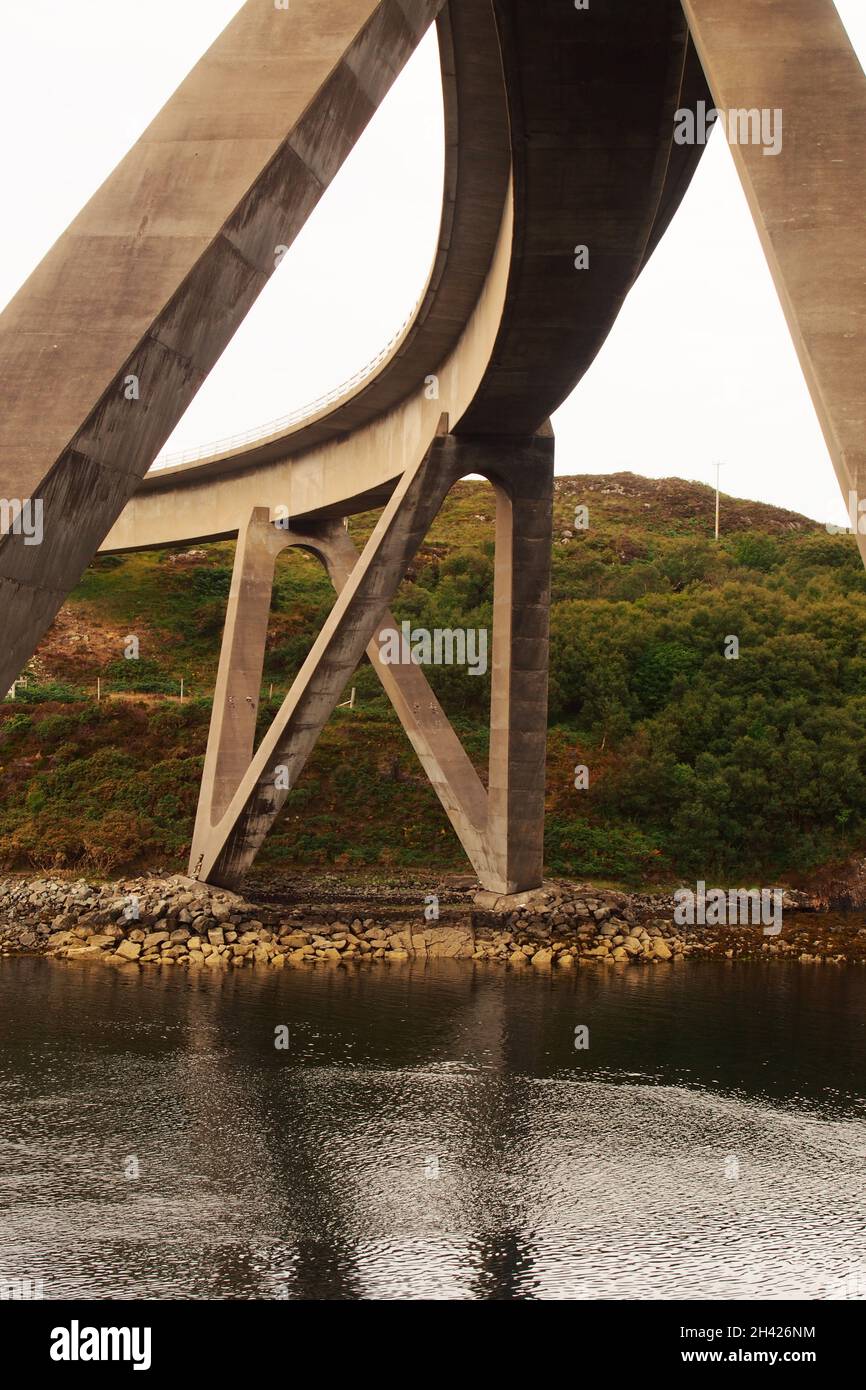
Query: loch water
{"type": "Point", "coordinates": [432, 1131]}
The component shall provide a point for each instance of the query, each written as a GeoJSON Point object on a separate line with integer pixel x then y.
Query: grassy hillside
{"type": "Point", "coordinates": [699, 765]}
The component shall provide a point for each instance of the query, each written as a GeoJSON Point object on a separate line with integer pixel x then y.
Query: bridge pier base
{"type": "Point", "coordinates": [501, 828]}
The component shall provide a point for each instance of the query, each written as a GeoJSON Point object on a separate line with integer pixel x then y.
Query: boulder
{"type": "Point", "coordinates": [449, 942]}
{"type": "Point", "coordinates": [60, 938]}
{"type": "Point", "coordinates": [128, 950]}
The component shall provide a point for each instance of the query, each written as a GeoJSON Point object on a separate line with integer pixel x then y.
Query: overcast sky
{"type": "Point", "coordinates": [699, 365]}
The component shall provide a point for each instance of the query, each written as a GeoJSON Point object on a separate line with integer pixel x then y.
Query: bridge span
{"type": "Point", "coordinates": [561, 132]}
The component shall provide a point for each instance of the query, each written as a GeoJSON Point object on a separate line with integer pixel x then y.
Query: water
{"type": "Point", "coordinates": [433, 1133]}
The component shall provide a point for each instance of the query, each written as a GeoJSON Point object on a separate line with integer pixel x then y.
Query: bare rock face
{"type": "Point", "coordinates": [452, 943]}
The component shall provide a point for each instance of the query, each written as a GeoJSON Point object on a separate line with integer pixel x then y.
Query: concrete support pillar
{"type": "Point", "coordinates": [239, 677]}
{"type": "Point", "coordinates": [502, 830]}
{"type": "Point", "coordinates": [793, 60]}
{"type": "Point", "coordinates": [521, 472]}
{"type": "Point", "coordinates": [521, 652]}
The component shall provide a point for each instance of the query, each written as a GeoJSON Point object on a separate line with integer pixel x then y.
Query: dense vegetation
{"type": "Point", "coordinates": [699, 765]}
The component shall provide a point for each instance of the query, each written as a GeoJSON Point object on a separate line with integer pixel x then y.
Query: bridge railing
{"type": "Point", "coordinates": [295, 417]}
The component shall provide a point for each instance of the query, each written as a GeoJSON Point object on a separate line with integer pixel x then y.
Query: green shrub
{"type": "Point", "coordinates": [211, 582]}
{"type": "Point", "coordinates": [60, 692]}
{"type": "Point", "coordinates": [143, 677]}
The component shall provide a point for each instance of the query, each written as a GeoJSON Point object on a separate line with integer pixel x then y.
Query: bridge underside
{"type": "Point", "coordinates": [559, 131]}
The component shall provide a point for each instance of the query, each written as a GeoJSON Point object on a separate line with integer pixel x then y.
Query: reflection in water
{"type": "Point", "coordinates": [561, 1174]}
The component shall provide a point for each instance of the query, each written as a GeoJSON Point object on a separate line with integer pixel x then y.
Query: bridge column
{"type": "Point", "coordinates": [239, 677]}
{"type": "Point", "coordinates": [521, 651]}
{"type": "Point", "coordinates": [521, 472]}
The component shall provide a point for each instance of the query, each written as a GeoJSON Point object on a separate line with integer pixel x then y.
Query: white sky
{"type": "Point", "coordinates": [699, 365]}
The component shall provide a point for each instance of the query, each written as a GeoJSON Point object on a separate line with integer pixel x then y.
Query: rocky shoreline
{"type": "Point", "coordinates": [175, 921]}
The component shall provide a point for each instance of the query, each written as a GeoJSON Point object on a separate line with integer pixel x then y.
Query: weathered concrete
{"type": "Point", "coordinates": [351, 625]}
{"type": "Point", "coordinates": [440, 752]}
{"type": "Point", "coordinates": [502, 828]}
{"type": "Point", "coordinates": [162, 266]}
{"type": "Point", "coordinates": [236, 698]}
{"type": "Point", "coordinates": [808, 201]}
{"type": "Point", "coordinates": [336, 478]}
{"type": "Point", "coordinates": [522, 474]}
{"type": "Point", "coordinates": [592, 96]}
{"type": "Point", "coordinates": [476, 181]}
{"type": "Point", "coordinates": [239, 677]}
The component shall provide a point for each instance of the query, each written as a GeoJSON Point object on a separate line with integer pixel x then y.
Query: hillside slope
{"type": "Point", "coordinates": [742, 769]}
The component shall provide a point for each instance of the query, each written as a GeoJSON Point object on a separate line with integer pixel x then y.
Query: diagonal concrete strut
{"type": "Point", "coordinates": [792, 61]}
{"type": "Point", "coordinates": [500, 829]}
{"type": "Point", "coordinates": [104, 347]}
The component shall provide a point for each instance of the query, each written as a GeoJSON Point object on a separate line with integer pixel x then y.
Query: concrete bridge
{"type": "Point", "coordinates": [561, 132]}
